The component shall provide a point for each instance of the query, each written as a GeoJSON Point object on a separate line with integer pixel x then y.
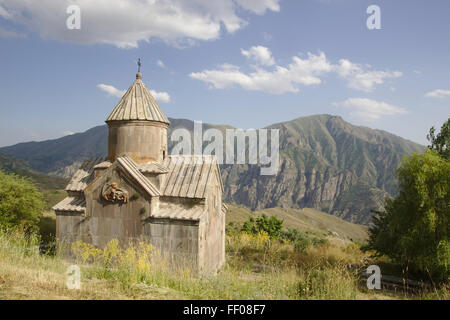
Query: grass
{"type": "Point", "coordinates": [254, 269]}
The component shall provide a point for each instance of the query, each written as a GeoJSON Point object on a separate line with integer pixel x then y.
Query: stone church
{"type": "Point", "coordinates": [141, 193]}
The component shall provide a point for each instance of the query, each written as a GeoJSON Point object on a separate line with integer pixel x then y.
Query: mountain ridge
{"type": "Point", "coordinates": [326, 163]}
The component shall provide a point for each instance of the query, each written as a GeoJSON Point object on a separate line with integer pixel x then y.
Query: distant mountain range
{"type": "Point", "coordinates": [325, 163]}
{"type": "Point", "coordinates": [10, 164]}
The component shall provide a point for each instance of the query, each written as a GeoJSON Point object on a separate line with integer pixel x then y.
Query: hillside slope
{"type": "Point", "coordinates": [325, 163]}
{"type": "Point", "coordinates": [308, 220]}
{"type": "Point", "coordinates": [10, 164]}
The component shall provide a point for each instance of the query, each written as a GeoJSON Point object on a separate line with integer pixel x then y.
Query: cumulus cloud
{"type": "Point", "coordinates": [113, 91]}
{"type": "Point", "coordinates": [259, 6]}
{"type": "Point", "coordinates": [260, 54]}
{"type": "Point", "coordinates": [361, 79]}
{"type": "Point", "coordinates": [124, 23]}
{"type": "Point", "coordinates": [438, 93]}
{"type": "Point", "coordinates": [160, 96]}
{"type": "Point", "coordinates": [300, 72]}
{"type": "Point", "coordinates": [280, 80]}
{"type": "Point", "coordinates": [369, 110]}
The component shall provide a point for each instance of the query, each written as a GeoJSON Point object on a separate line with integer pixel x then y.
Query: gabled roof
{"type": "Point", "coordinates": [83, 176]}
{"type": "Point", "coordinates": [152, 167]}
{"type": "Point", "coordinates": [131, 168]}
{"type": "Point", "coordinates": [188, 176]}
{"type": "Point", "coordinates": [103, 165]}
{"type": "Point", "coordinates": [71, 204]}
{"type": "Point", "coordinates": [138, 104]}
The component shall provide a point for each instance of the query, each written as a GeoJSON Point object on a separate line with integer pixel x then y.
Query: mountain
{"type": "Point", "coordinates": [10, 164]}
{"type": "Point", "coordinates": [325, 163]}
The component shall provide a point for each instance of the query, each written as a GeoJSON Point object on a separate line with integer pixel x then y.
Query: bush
{"type": "Point", "coordinates": [300, 240]}
{"type": "Point", "coordinates": [414, 228]}
{"type": "Point", "coordinates": [21, 204]}
{"type": "Point", "coordinates": [272, 226]}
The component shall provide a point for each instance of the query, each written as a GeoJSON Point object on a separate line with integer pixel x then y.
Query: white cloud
{"type": "Point", "coordinates": [259, 6]}
{"type": "Point", "coordinates": [369, 110]}
{"type": "Point", "coordinates": [307, 71]}
{"type": "Point", "coordinates": [260, 54]}
{"type": "Point", "coordinates": [160, 96]}
{"type": "Point", "coordinates": [438, 93]}
{"type": "Point", "coordinates": [160, 64]}
{"type": "Point", "coordinates": [124, 23]}
{"type": "Point", "coordinates": [68, 133]}
{"type": "Point", "coordinates": [110, 90]}
{"type": "Point", "coordinates": [417, 72]}
{"type": "Point", "coordinates": [360, 79]}
{"type": "Point", "coordinates": [280, 80]}
{"type": "Point", "coordinates": [113, 91]}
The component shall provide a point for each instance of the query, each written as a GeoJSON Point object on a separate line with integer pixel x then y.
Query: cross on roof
{"type": "Point", "coordinates": [139, 64]}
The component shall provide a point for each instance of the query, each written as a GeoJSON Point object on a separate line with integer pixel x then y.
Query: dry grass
{"type": "Point", "coordinates": [255, 269]}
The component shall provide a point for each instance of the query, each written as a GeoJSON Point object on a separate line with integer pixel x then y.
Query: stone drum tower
{"type": "Point", "coordinates": [137, 126]}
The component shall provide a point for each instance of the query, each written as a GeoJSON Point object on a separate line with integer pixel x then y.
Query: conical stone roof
{"type": "Point", "coordinates": [138, 104]}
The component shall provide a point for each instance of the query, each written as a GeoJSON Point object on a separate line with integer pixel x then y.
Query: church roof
{"type": "Point", "coordinates": [138, 104]}
{"type": "Point", "coordinates": [83, 176]}
{"type": "Point", "coordinates": [188, 176]}
{"type": "Point", "coordinates": [71, 204]}
{"type": "Point", "coordinates": [152, 167]}
{"type": "Point", "coordinates": [130, 166]}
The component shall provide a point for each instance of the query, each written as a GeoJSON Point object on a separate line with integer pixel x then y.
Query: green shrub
{"type": "Point", "coordinates": [414, 228]}
{"type": "Point", "coordinates": [21, 204]}
{"type": "Point", "coordinates": [299, 239]}
{"type": "Point", "coordinates": [272, 226]}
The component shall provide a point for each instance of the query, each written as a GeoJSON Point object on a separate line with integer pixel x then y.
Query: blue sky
{"type": "Point", "coordinates": [246, 63]}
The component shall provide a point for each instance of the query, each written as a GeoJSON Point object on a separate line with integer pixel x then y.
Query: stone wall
{"type": "Point", "coordinates": [212, 231]}
{"type": "Point", "coordinates": [177, 240]}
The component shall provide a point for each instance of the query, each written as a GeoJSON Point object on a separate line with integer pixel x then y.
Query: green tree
{"type": "Point", "coordinates": [441, 142]}
{"type": "Point", "coordinates": [21, 203]}
{"type": "Point", "coordinates": [414, 228]}
{"type": "Point", "coordinates": [272, 226]}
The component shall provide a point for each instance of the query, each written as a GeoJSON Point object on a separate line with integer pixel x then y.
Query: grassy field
{"type": "Point", "coordinates": [255, 269]}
